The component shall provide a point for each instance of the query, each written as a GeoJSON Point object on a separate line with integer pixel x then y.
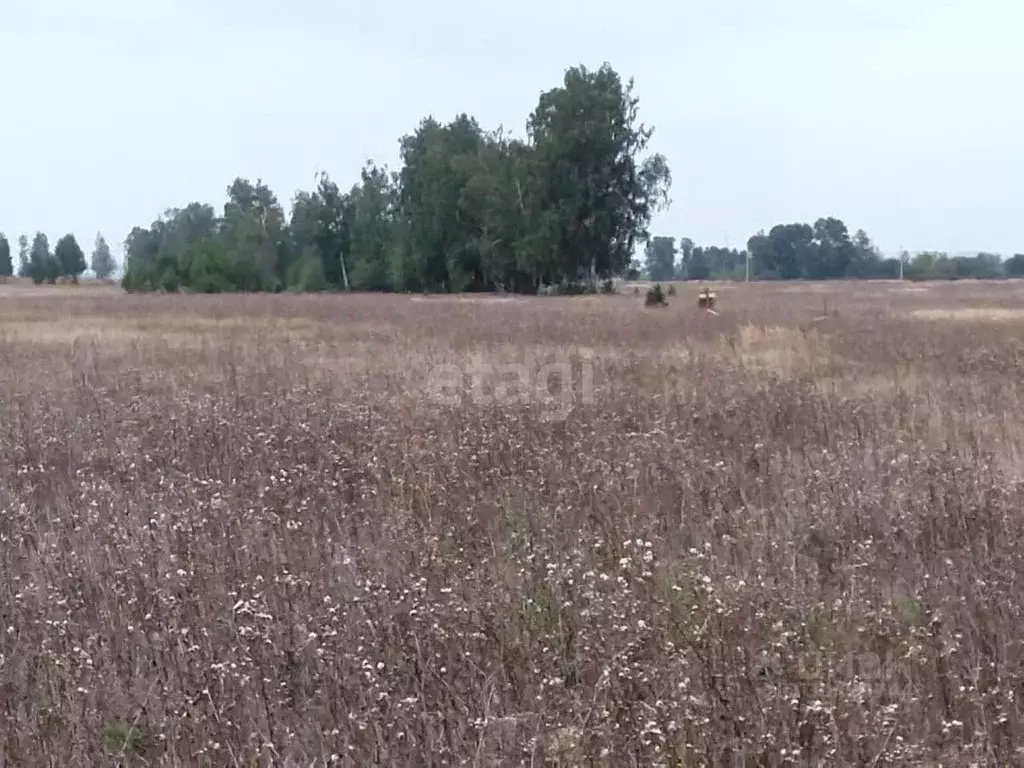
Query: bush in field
{"type": "Point", "coordinates": [655, 297]}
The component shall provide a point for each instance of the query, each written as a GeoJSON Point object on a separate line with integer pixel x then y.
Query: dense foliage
{"type": "Point", "coordinates": [469, 210]}
{"type": "Point", "coordinates": [822, 251]}
{"type": "Point", "coordinates": [6, 265]}
{"type": "Point", "coordinates": [102, 262]}
{"type": "Point", "coordinates": [564, 208]}
{"type": "Point", "coordinates": [44, 264]}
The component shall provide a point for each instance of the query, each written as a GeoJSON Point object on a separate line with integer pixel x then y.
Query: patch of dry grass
{"type": "Point", "coordinates": [20, 287]}
{"type": "Point", "coordinates": [972, 314]}
{"type": "Point", "coordinates": [784, 351]}
{"type": "Point", "coordinates": [244, 531]}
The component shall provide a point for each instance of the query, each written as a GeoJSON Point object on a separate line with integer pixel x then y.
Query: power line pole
{"type": "Point", "coordinates": [900, 256]}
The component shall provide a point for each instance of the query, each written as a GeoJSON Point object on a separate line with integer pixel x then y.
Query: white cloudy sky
{"type": "Point", "coordinates": [903, 118]}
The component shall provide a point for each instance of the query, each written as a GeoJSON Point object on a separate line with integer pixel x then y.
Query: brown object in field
{"type": "Point", "coordinates": [706, 299]}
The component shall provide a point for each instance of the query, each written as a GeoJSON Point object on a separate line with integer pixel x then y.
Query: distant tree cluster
{"type": "Point", "coordinates": [6, 265]}
{"type": "Point", "coordinates": [822, 251]}
{"type": "Point", "coordinates": [66, 260]}
{"type": "Point", "coordinates": [469, 210]}
{"type": "Point", "coordinates": [934, 265]}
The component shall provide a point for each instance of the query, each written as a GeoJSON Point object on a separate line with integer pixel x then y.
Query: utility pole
{"type": "Point", "coordinates": [900, 256]}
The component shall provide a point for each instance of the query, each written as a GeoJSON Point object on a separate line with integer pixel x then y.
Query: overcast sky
{"type": "Point", "coordinates": [904, 118]}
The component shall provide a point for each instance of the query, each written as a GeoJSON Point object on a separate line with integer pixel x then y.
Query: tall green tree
{"type": "Point", "coordinates": [171, 252]}
{"type": "Point", "coordinates": [303, 242]}
{"type": "Point", "coordinates": [787, 252]}
{"type": "Point", "coordinates": [707, 262]}
{"type": "Point", "coordinates": [6, 265]}
{"type": "Point", "coordinates": [661, 258]}
{"type": "Point", "coordinates": [42, 265]}
{"type": "Point", "coordinates": [500, 187]}
{"type": "Point", "coordinates": [697, 266]}
{"type": "Point", "coordinates": [866, 260]}
{"type": "Point", "coordinates": [594, 193]}
{"type": "Point", "coordinates": [1014, 266]}
{"type": "Point", "coordinates": [985, 266]}
{"type": "Point", "coordinates": [371, 209]}
{"type": "Point", "coordinates": [23, 256]}
{"type": "Point", "coordinates": [832, 253]}
{"type": "Point", "coordinates": [70, 258]}
{"type": "Point", "coordinates": [253, 228]}
{"type": "Point", "coordinates": [320, 224]}
{"type": "Point", "coordinates": [442, 223]}
{"type": "Point", "coordinates": [686, 246]}
{"type": "Point", "coordinates": [102, 262]}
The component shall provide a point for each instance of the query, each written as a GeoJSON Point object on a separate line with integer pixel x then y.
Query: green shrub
{"type": "Point", "coordinates": [655, 296]}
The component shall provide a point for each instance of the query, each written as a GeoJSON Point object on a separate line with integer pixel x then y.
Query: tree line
{"type": "Point", "coordinates": [824, 250]}
{"type": "Point", "coordinates": [468, 210]}
{"type": "Point", "coordinates": [66, 260]}
{"type": "Point", "coordinates": [562, 209]}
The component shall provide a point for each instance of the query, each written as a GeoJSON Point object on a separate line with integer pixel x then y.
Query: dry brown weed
{"type": "Point", "coordinates": [756, 541]}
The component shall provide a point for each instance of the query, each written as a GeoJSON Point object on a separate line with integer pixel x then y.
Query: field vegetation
{"type": "Point", "coordinates": [242, 530]}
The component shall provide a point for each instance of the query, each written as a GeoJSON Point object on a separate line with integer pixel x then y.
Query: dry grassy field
{"type": "Point", "coordinates": [298, 530]}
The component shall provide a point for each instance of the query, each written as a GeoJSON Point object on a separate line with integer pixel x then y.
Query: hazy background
{"type": "Point", "coordinates": [903, 118]}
